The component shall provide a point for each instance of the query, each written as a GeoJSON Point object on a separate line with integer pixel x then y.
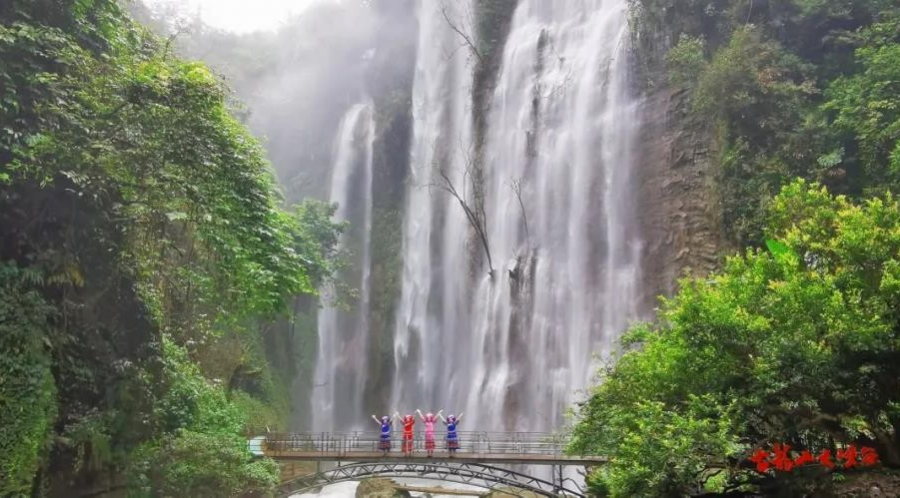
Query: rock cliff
{"type": "Point", "coordinates": [680, 209]}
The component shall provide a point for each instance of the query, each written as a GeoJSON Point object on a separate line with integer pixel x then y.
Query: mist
{"type": "Point", "coordinates": [292, 84]}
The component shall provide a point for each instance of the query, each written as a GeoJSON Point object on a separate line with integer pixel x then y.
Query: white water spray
{"type": "Point", "coordinates": [514, 349]}
{"type": "Point", "coordinates": [343, 336]}
{"type": "Point", "coordinates": [433, 308]}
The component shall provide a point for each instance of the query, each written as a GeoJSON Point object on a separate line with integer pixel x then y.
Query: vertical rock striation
{"type": "Point", "coordinates": [679, 212]}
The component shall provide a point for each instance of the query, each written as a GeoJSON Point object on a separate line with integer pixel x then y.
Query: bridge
{"type": "Point", "coordinates": [477, 461]}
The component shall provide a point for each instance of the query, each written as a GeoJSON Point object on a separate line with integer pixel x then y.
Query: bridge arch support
{"type": "Point", "coordinates": [483, 476]}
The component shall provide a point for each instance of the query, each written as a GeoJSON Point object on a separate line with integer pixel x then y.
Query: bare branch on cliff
{"type": "Point", "coordinates": [516, 186]}
{"type": "Point", "coordinates": [468, 40]}
{"type": "Point", "coordinates": [472, 205]}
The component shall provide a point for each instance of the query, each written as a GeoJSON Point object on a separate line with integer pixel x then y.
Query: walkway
{"type": "Point", "coordinates": [358, 456]}
{"type": "Point", "coordinates": [474, 447]}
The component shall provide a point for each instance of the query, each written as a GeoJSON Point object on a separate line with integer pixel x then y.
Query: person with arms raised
{"type": "Point", "coordinates": [429, 420]}
{"type": "Point", "coordinates": [452, 437]}
{"type": "Point", "coordinates": [384, 441]}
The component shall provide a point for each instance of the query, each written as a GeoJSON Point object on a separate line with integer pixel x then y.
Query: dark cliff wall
{"type": "Point", "coordinates": [391, 83]}
{"type": "Point", "coordinates": [493, 22]}
{"type": "Point", "coordinates": [680, 212]}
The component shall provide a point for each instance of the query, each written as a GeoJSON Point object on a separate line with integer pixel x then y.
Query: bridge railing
{"type": "Point", "coordinates": [348, 443]}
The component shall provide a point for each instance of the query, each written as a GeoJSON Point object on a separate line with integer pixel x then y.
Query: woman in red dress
{"type": "Point", "coordinates": [408, 422]}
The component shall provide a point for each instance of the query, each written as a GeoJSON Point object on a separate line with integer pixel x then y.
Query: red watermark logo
{"type": "Point", "coordinates": [780, 458]}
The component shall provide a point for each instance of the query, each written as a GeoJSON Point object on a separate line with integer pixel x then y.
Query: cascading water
{"type": "Point", "coordinates": [343, 335]}
{"type": "Point", "coordinates": [433, 304]}
{"type": "Point", "coordinates": [513, 348]}
{"type": "Point", "coordinates": [561, 130]}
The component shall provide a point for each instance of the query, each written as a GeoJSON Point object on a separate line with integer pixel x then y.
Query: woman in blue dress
{"type": "Point", "coordinates": [384, 443]}
{"type": "Point", "coordinates": [452, 437]}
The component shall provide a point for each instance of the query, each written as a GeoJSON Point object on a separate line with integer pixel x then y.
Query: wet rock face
{"type": "Point", "coordinates": [680, 212]}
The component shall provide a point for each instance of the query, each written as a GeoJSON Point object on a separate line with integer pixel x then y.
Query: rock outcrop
{"type": "Point", "coordinates": [379, 488]}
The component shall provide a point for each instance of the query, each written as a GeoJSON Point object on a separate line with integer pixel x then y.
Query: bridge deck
{"type": "Point", "coordinates": [461, 457]}
{"type": "Point", "coordinates": [474, 447]}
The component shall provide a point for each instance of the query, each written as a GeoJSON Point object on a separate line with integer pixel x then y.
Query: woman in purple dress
{"type": "Point", "coordinates": [384, 442]}
{"type": "Point", "coordinates": [452, 437]}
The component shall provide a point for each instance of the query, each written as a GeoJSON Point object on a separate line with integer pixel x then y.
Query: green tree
{"type": "Point", "coordinates": [760, 83]}
{"type": "Point", "coordinates": [865, 105]}
{"type": "Point", "coordinates": [798, 344]}
{"type": "Point", "coordinates": [201, 451]}
{"type": "Point", "coordinates": [141, 232]}
{"type": "Point", "coordinates": [686, 60]}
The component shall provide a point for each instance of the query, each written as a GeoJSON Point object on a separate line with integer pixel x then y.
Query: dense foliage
{"type": "Point", "coordinates": [26, 379]}
{"type": "Point", "coordinates": [203, 452]}
{"type": "Point", "coordinates": [793, 88]}
{"type": "Point", "coordinates": [798, 344]}
{"type": "Point", "coordinates": [143, 253]}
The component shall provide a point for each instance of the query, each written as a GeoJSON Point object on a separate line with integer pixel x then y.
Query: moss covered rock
{"type": "Point", "coordinates": [379, 488]}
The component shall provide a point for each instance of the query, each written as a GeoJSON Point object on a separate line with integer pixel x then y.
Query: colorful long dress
{"type": "Point", "coordinates": [408, 424]}
{"type": "Point", "coordinates": [452, 437]}
{"type": "Point", "coordinates": [384, 444]}
{"type": "Point", "coordinates": [429, 434]}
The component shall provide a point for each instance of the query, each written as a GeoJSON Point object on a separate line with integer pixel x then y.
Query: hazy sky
{"type": "Point", "coordinates": [242, 15]}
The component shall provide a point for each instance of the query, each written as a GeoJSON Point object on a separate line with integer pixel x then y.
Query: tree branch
{"type": "Point", "coordinates": [476, 221]}
{"type": "Point", "coordinates": [517, 188]}
{"type": "Point", "coordinates": [462, 34]}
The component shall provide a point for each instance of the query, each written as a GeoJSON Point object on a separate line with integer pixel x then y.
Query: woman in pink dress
{"type": "Point", "coordinates": [429, 420]}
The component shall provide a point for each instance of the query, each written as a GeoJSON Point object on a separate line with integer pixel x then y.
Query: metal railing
{"type": "Point", "coordinates": [348, 443]}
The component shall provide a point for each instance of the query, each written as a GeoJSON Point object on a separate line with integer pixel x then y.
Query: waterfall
{"type": "Point", "coordinates": [514, 348]}
{"type": "Point", "coordinates": [433, 305]}
{"type": "Point", "coordinates": [562, 127]}
{"type": "Point", "coordinates": [343, 335]}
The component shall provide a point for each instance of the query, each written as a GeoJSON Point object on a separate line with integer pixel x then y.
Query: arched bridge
{"type": "Point", "coordinates": [475, 462]}
{"type": "Point", "coordinates": [483, 476]}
